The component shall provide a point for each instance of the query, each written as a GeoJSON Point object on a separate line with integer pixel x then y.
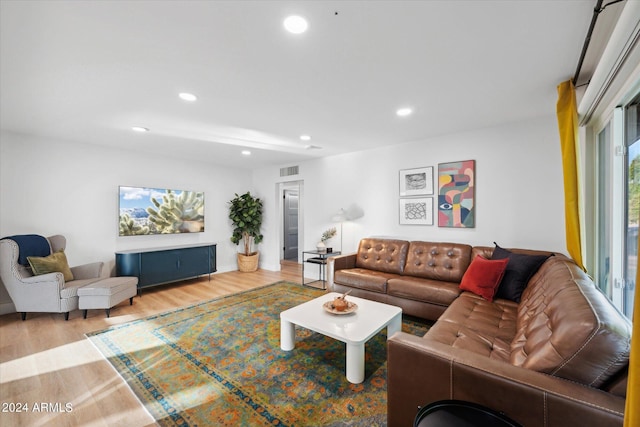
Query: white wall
{"type": "Point", "coordinates": [519, 190]}
{"type": "Point", "coordinates": [54, 187]}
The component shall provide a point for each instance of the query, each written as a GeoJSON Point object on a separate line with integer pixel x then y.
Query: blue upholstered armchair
{"type": "Point", "coordinates": [48, 292]}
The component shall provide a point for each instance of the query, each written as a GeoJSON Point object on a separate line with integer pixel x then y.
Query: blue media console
{"type": "Point", "coordinates": [156, 266]}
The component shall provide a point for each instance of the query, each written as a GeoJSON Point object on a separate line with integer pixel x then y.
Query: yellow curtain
{"type": "Point", "coordinates": [631, 417]}
{"type": "Point", "coordinates": [567, 113]}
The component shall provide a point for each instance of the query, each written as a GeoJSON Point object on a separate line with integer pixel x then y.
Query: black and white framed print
{"type": "Point", "coordinates": [416, 211]}
{"type": "Point", "coordinates": [416, 182]}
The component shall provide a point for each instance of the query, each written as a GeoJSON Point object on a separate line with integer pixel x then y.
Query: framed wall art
{"type": "Point", "coordinates": [416, 182]}
{"type": "Point", "coordinates": [416, 211]}
{"type": "Point", "coordinates": [144, 211]}
{"type": "Point", "coordinates": [456, 194]}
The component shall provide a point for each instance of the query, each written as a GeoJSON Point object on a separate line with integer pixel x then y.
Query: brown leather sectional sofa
{"type": "Point", "coordinates": [558, 357]}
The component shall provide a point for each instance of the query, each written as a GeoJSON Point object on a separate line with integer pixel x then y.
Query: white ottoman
{"type": "Point", "coordinates": [106, 293]}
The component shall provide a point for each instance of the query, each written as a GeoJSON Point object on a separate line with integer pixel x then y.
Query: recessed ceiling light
{"type": "Point", "coordinates": [246, 152]}
{"type": "Point", "coordinates": [406, 111]}
{"type": "Point", "coordinates": [187, 96]}
{"type": "Point", "coordinates": [296, 24]}
{"type": "Point", "coordinates": [139, 129]}
{"type": "Point", "coordinates": [305, 137]}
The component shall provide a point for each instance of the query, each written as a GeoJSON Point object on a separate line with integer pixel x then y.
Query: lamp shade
{"type": "Point", "coordinates": [354, 212]}
{"type": "Point", "coordinates": [340, 216]}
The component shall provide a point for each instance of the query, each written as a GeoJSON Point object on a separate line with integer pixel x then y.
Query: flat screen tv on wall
{"type": "Point", "coordinates": [145, 211]}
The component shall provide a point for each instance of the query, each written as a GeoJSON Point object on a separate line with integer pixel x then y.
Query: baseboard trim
{"type": "Point", "coordinates": [234, 267]}
{"type": "Point", "coordinates": [270, 267]}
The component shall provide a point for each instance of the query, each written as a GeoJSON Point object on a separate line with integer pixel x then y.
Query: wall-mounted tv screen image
{"type": "Point", "coordinates": [145, 211]}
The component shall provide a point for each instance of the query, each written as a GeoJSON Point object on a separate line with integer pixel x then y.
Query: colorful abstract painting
{"type": "Point", "coordinates": [456, 194]}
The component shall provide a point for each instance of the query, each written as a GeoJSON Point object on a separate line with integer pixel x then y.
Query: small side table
{"type": "Point", "coordinates": [319, 258]}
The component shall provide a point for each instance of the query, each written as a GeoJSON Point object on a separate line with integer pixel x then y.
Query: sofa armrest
{"type": "Point", "coordinates": [38, 293]}
{"type": "Point", "coordinates": [339, 262]}
{"type": "Point", "coordinates": [422, 371]}
{"type": "Point", "coordinates": [87, 271]}
{"type": "Point", "coordinates": [53, 280]}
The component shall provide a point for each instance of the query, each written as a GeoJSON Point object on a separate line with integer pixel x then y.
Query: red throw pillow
{"type": "Point", "coordinates": [483, 276]}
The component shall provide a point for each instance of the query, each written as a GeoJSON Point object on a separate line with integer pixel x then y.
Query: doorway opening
{"type": "Point", "coordinates": [290, 195]}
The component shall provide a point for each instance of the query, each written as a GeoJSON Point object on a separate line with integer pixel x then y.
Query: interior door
{"type": "Point", "coordinates": [291, 224]}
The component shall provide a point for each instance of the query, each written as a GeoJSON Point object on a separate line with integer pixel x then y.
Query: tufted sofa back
{"type": "Point", "coordinates": [438, 261]}
{"type": "Point", "coordinates": [385, 255]}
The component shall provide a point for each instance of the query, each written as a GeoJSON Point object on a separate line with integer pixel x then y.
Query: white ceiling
{"type": "Point", "coordinates": [89, 71]}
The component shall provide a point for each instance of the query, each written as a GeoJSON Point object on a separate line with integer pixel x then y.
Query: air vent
{"type": "Point", "coordinates": [291, 170]}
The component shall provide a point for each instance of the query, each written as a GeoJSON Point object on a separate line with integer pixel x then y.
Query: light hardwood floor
{"type": "Point", "coordinates": [46, 361]}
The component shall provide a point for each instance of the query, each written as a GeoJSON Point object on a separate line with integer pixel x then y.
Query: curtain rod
{"type": "Point", "coordinates": [596, 12]}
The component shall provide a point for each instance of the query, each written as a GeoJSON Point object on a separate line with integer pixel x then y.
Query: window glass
{"type": "Point", "coordinates": [632, 142]}
{"type": "Point", "coordinates": [603, 268]}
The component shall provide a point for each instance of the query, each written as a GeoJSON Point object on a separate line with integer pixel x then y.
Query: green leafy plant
{"type": "Point", "coordinates": [245, 212]}
{"type": "Point", "coordinates": [328, 234]}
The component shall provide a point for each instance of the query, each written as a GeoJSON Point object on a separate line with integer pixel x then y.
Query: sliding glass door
{"type": "Point", "coordinates": [632, 202]}
{"type": "Point", "coordinates": [604, 214]}
{"type": "Point", "coordinates": [618, 205]}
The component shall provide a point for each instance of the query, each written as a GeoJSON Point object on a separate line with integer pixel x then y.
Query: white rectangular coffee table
{"type": "Point", "coordinates": [354, 329]}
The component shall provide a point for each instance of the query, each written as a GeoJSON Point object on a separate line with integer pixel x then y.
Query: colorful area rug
{"type": "Point", "coordinates": [219, 363]}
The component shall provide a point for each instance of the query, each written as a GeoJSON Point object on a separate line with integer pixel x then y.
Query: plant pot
{"type": "Point", "coordinates": [248, 263]}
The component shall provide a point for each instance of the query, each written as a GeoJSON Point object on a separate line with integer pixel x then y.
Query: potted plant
{"type": "Point", "coordinates": [245, 212]}
{"type": "Point", "coordinates": [328, 234]}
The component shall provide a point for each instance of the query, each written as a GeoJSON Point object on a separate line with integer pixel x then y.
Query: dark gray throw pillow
{"type": "Point", "coordinates": [519, 270]}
